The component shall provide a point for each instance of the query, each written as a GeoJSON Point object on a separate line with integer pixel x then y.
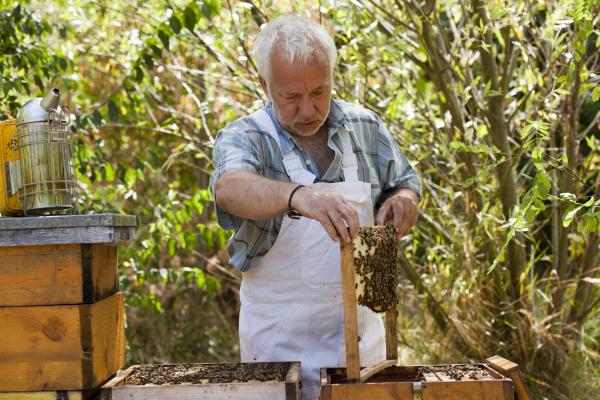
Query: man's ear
{"type": "Point", "coordinates": [263, 85]}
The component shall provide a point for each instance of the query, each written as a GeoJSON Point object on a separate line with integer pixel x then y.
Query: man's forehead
{"type": "Point", "coordinates": [280, 57]}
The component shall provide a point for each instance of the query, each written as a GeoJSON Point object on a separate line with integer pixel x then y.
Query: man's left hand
{"type": "Point", "coordinates": [402, 209]}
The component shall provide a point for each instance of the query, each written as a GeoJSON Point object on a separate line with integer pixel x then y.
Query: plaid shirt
{"type": "Point", "coordinates": [242, 145]}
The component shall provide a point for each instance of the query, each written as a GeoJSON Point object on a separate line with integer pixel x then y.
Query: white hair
{"type": "Point", "coordinates": [298, 38]}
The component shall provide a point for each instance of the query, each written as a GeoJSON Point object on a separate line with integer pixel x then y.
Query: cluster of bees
{"type": "Point", "coordinates": [376, 266]}
{"type": "Point", "coordinates": [455, 372]}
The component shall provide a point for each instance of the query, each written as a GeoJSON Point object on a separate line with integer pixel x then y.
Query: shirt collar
{"type": "Point", "coordinates": [334, 120]}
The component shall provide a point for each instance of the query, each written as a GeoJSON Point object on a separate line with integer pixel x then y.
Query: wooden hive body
{"type": "Point", "coordinates": [288, 389]}
{"type": "Point", "coordinates": [57, 274]}
{"type": "Point", "coordinates": [400, 383]}
{"type": "Point", "coordinates": [66, 347]}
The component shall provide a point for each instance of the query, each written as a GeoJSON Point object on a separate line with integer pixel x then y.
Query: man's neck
{"type": "Point", "coordinates": [316, 145]}
{"type": "Point", "coordinates": [318, 138]}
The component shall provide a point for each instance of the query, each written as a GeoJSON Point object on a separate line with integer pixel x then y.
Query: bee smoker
{"type": "Point", "coordinates": [36, 169]}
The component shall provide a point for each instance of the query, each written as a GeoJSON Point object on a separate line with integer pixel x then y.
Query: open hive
{"type": "Point", "coordinates": [433, 382]}
{"type": "Point", "coordinates": [271, 380]}
{"type": "Point", "coordinates": [375, 251]}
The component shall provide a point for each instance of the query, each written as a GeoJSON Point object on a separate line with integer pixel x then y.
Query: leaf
{"type": "Point", "coordinates": [482, 131]}
{"type": "Point", "coordinates": [588, 224]}
{"type": "Point", "coordinates": [596, 92]}
{"type": "Point", "coordinates": [16, 13]}
{"type": "Point", "coordinates": [130, 177]}
{"type": "Point", "coordinates": [62, 62]}
{"type": "Point", "coordinates": [148, 60]}
{"type": "Point", "coordinates": [200, 278]}
{"type": "Point", "coordinates": [109, 172]}
{"type": "Point", "coordinates": [189, 18]}
{"type": "Point", "coordinates": [537, 154]}
{"type": "Point", "coordinates": [156, 50]}
{"type": "Point", "coordinates": [570, 214]}
{"type": "Point", "coordinates": [211, 8]}
{"type": "Point", "coordinates": [542, 184]}
{"type": "Point", "coordinates": [172, 247]}
{"type": "Point", "coordinates": [589, 202]}
{"type": "Point", "coordinates": [6, 86]}
{"type": "Point", "coordinates": [138, 74]}
{"type": "Point", "coordinates": [113, 111]}
{"type": "Point", "coordinates": [175, 24]}
{"type": "Point", "coordinates": [97, 118]}
{"type": "Point", "coordinates": [164, 38]}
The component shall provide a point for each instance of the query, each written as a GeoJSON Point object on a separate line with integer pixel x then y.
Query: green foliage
{"type": "Point", "coordinates": [24, 59]}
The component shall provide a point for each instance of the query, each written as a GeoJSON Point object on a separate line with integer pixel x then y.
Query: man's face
{"type": "Point", "coordinates": [300, 93]}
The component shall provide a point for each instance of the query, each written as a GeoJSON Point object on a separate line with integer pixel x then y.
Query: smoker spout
{"type": "Point", "coordinates": [51, 100]}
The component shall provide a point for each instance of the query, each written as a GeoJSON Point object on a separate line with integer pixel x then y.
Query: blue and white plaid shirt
{"type": "Point", "coordinates": [242, 145]}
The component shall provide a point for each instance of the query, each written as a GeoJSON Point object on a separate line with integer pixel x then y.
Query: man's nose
{"type": "Point", "coordinates": [306, 107]}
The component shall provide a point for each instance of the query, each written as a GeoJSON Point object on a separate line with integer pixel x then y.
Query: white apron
{"type": "Point", "coordinates": [291, 301]}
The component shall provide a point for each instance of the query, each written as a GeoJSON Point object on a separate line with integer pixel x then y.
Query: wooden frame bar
{"type": "Point", "coordinates": [350, 313]}
{"type": "Point", "coordinates": [510, 370]}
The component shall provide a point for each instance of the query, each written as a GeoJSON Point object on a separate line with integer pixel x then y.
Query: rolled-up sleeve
{"type": "Point", "coordinates": [233, 150]}
{"type": "Point", "coordinates": [395, 172]}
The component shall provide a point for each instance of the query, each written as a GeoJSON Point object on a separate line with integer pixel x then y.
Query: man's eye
{"type": "Point", "coordinates": [290, 96]}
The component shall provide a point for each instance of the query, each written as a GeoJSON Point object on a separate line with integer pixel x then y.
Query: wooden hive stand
{"type": "Point", "coordinates": [62, 316]}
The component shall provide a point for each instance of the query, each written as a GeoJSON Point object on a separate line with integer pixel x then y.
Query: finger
{"type": "Point", "coordinates": [411, 214]}
{"type": "Point", "coordinates": [399, 219]}
{"type": "Point", "coordinates": [382, 213]}
{"type": "Point", "coordinates": [328, 226]}
{"type": "Point", "coordinates": [340, 225]}
{"type": "Point", "coordinates": [351, 217]}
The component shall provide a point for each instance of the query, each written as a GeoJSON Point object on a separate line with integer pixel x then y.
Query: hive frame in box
{"type": "Point", "coordinates": [353, 372]}
{"type": "Point", "coordinates": [117, 389]}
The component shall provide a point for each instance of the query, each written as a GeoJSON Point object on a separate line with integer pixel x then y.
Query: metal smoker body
{"type": "Point", "coordinates": [40, 174]}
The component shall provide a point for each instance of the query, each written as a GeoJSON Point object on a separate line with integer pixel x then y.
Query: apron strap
{"type": "Point", "coordinates": [349, 162]}
{"type": "Point", "coordinates": [291, 161]}
{"type": "Point", "coordinates": [265, 123]}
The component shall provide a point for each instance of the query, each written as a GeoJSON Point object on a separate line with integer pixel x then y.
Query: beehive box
{"type": "Point", "coordinates": [66, 347]}
{"type": "Point", "coordinates": [57, 274]}
{"type": "Point", "coordinates": [62, 259]}
{"type": "Point", "coordinates": [264, 381]}
{"type": "Point", "coordinates": [52, 395]}
{"type": "Point", "coordinates": [442, 382]}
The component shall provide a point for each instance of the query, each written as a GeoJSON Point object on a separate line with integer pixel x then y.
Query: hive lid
{"type": "Point", "coordinates": [63, 229]}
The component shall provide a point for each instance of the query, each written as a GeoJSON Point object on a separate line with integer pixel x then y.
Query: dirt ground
{"type": "Point", "coordinates": [158, 374]}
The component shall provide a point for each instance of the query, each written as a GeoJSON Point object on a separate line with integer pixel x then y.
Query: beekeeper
{"type": "Point", "coordinates": [292, 180]}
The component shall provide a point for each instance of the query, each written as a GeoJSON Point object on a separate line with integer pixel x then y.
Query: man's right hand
{"type": "Point", "coordinates": [339, 218]}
